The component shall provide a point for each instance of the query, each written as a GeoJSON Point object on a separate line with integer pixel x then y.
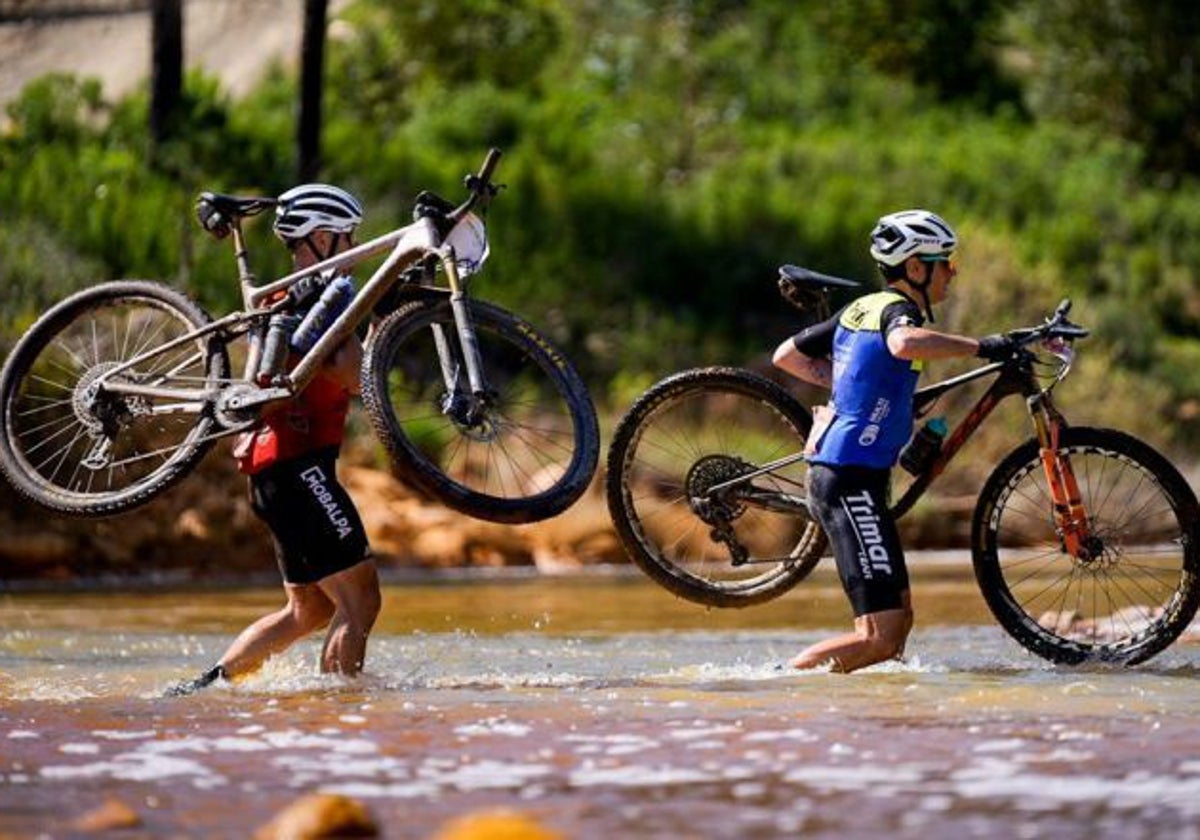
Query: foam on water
{"type": "Point", "coordinates": [665, 729]}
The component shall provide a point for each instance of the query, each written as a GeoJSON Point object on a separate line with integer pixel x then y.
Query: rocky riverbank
{"type": "Point", "coordinates": [203, 529]}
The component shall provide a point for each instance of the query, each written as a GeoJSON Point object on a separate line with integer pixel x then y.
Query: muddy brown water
{"type": "Point", "coordinates": [597, 705]}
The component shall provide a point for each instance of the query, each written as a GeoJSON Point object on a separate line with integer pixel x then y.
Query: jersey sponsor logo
{"type": "Point", "coordinates": [883, 407]}
{"type": "Point", "coordinates": [314, 479]}
{"type": "Point", "coordinates": [869, 435]}
{"type": "Point", "coordinates": [873, 555]}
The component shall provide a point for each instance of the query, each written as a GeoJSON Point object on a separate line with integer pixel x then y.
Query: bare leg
{"type": "Point", "coordinates": [307, 609]}
{"type": "Point", "coordinates": [355, 596]}
{"type": "Point", "coordinates": [877, 637]}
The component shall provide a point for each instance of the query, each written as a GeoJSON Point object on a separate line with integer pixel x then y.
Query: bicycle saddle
{"type": "Point", "coordinates": [814, 278]}
{"type": "Point", "coordinates": [234, 207]}
{"type": "Point", "coordinates": [217, 212]}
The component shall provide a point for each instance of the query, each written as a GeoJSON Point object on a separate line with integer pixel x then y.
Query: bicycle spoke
{"type": "Point", "coordinates": [59, 447]}
{"type": "Point", "coordinates": [711, 437]}
{"type": "Point", "coordinates": [1114, 597]}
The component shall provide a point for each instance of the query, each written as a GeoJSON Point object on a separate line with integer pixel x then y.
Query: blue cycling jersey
{"type": "Point", "coordinates": [872, 389]}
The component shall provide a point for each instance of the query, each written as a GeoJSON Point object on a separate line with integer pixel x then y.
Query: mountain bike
{"type": "Point", "coordinates": [118, 391]}
{"type": "Point", "coordinates": [1084, 541]}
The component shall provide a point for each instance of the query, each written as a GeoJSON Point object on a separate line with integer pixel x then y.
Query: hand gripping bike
{"type": "Point", "coordinates": [1084, 540]}
{"type": "Point", "coordinates": [118, 391]}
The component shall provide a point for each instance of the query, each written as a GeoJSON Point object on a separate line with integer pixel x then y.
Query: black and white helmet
{"type": "Point", "coordinates": [309, 207]}
{"type": "Point", "coordinates": [909, 233]}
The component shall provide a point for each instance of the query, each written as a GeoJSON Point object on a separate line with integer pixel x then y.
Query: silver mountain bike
{"type": "Point", "coordinates": [118, 391]}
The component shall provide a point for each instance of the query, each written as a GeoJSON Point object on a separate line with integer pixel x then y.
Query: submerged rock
{"type": "Point", "coordinates": [113, 814]}
{"type": "Point", "coordinates": [501, 824]}
{"type": "Point", "coordinates": [320, 815]}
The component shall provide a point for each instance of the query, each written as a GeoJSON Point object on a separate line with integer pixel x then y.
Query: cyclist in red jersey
{"type": "Point", "coordinates": [329, 576]}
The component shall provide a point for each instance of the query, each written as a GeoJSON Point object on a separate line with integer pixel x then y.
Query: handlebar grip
{"type": "Point", "coordinates": [1064, 307]}
{"type": "Point", "coordinates": [489, 166]}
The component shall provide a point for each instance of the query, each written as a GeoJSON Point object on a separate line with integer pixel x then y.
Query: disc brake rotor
{"type": "Point", "coordinates": [99, 411]}
{"type": "Point", "coordinates": [473, 417]}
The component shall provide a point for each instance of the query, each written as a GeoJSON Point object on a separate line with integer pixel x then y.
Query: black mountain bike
{"type": "Point", "coordinates": [1084, 540]}
{"type": "Point", "coordinates": [118, 391]}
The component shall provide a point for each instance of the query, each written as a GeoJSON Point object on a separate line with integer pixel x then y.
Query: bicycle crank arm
{"type": "Point", "coordinates": [253, 399]}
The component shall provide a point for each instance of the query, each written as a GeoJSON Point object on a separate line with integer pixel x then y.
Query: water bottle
{"type": "Point", "coordinates": [925, 445]}
{"type": "Point", "coordinates": [275, 349]}
{"type": "Point", "coordinates": [325, 311]}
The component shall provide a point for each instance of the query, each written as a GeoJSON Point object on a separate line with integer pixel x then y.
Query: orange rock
{"type": "Point", "coordinates": [495, 825]}
{"type": "Point", "coordinates": [113, 814]}
{"type": "Point", "coordinates": [191, 524]}
{"type": "Point", "coordinates": [320, 815]}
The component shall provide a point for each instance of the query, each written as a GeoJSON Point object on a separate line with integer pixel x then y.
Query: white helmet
{"type": "Point", "coordinates": [898, 236]}
{"type": "Point", "coordinates": [309, 207]}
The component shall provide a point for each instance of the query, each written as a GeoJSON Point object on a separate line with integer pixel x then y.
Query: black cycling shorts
{"type": "Point", "coordinates": [851, 505]}
{"type": "Point", "coordinates": [315, 526]}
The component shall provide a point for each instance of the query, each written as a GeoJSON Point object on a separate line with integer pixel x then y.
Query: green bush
{"type": "Point", "coordinates": [661, 160]}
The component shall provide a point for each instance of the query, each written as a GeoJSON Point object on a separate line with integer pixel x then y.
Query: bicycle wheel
{"type": "Point", "coordinates": [739, 545]}
{"type": "Point", "coordinates": [73, 447]}
{"type": "Point", "coordinates": [1136, 592]}
{"type": "Point", "coordinates": [524, 452]}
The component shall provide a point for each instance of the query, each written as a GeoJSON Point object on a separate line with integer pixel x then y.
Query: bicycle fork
{"type": "Point", "coordinates": [464, 408]}
{"type": "Point", "coordinates": [1070, 517]}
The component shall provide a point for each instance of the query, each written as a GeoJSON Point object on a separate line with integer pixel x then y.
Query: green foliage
{"type": "Point", "coordinates": [37, 271]}
{"type": "Point", "coordinates": [1124, 66]}
{"type": "Point", "coordinates": [661, 160]}
{"type": "Point", "coordinates": [947, 46]}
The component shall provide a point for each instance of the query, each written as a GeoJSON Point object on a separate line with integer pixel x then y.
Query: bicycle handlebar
{"type": "Point", "coordinates": [1056, 326]}
{"type": "Point", "coordinates": [479, 185]}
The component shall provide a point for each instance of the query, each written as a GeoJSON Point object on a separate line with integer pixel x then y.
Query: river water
{"type": "Point", "coordinates": [595, 705]}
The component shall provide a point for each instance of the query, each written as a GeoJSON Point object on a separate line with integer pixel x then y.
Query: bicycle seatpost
{"type": "Point", "coordinates": [245, 277]}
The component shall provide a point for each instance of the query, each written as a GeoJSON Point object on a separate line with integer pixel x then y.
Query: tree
{"type": "Point", "coordinates": [1125, 66]}
{"type": "Point", "coordinates": [947, 46]}
{"type": "Point", "coordinates": [312, 77]}
{"type": "Point", "coordinates": [166, 74]}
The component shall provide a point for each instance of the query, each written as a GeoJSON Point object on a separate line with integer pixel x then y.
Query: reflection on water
{"type": "Point", "coordinates": [600, 705]}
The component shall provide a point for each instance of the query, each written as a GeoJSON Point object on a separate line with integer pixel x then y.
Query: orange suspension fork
{"type": "Point", "coordinates": [1069, 515]}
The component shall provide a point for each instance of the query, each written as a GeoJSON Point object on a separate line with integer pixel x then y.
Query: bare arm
{"type": "Point", "coordinates": [790, 360]}
{"type": "Point", "coordinates": [920, 343]}
{"type": "Point", "coordinates": [346, 363]}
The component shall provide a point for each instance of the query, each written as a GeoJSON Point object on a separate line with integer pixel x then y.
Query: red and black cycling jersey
{"type": "Point", "coordinates": [314, 419]}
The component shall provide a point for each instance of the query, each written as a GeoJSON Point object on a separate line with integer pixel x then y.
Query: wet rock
{"type": "Point", "coordinates": [320, 815]}
{"type": "Point", "coordinates": [1123, 622]}
{"type": "Point", "coordinates": [191, 524]}
{"type": "Point", "coordinates": [500, 824]}
{"type": "Point", "coordinates": [113, 814]}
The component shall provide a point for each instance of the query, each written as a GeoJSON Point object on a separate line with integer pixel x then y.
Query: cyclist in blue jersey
{"type": "Point", "coordinates": [870, 355]}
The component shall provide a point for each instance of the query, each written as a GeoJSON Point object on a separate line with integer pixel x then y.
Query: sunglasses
{"type": "Point", "coordinates": [936, 258]}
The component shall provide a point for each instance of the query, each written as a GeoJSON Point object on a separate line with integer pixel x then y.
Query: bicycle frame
{"type": "Point", "coordinates": [1014, 378]}
{"type": "Point", "coordinates": [407, 245]}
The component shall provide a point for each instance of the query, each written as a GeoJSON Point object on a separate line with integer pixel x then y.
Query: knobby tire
{"type": "Point", "coordinates": [532, 452]}
{"type": "Point", "coordinates": [700, 428]}
{"type": "Point", "coordinates": [1125, 604]}
{"type": "Point", "coordinates": [44, 428]}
